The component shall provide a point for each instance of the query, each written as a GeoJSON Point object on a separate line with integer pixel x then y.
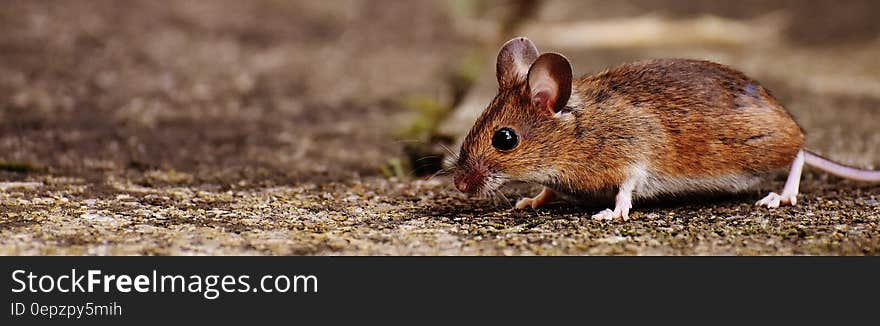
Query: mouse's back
{"type": "Point", "coordinates": [712, 121]}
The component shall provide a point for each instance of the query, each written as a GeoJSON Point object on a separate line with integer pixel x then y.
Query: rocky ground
{"type": "Point", "coordinates": [286, 128]}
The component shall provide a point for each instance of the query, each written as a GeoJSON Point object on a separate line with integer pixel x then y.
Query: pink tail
{"type": "Point", "coordinates": [841, 170]}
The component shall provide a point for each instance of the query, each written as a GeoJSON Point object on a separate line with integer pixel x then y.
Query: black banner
{"type": "Point", "coordinates": [415, 290]}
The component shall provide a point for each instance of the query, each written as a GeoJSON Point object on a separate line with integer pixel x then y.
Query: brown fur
{"type": "Point", "coordinates": [680, 118]}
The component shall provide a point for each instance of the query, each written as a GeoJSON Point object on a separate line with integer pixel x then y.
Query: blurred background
{"type": "Point", "coordinates": [276, 91]}
{"type": "Point", "coordinates": [101, 97]}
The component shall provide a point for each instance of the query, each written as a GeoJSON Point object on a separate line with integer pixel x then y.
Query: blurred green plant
{"type": "Point", "coordinates": [394, 168]}
{"type": "Point", "coordinates": [466, 72]}
{"type": "Point", "coordinates": [470, 8]}
{"type": "Point", "coordinates": [426, 113]}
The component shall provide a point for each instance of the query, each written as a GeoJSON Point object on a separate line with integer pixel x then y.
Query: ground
{"type": "Point", "coordinates": [282, 128]}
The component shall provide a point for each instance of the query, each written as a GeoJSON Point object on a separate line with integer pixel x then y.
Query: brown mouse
{"type": "Point", "coordinates": [642, 129]}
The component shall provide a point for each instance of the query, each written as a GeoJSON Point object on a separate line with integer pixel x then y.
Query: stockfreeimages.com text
{"type": "Point", "coordinates": [210, 286]}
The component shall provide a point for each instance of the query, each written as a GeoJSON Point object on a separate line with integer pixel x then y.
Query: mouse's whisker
{"type": "Point", "coordinates": [491, 195]}
{"type": "Point", "coordinates": [439, 173]}
{"type": "Point", "coordinates": [427, 157]}
{"type": "Point", "coordinates": [448, 150]}
{"type": "Point", "coordinates": [408, 141]}
{"type": "Point", "coordinates": [500, 197]}
{"type": "Point", "coordinates": [509, 203]}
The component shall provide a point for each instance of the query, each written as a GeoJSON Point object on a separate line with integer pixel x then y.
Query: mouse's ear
{"type": "Point", "coordinates": [514, 60]}
{"type": "Point", "coordinates": [550, 82]}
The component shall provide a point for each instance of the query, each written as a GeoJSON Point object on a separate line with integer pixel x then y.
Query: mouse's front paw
{"type": "Point", "coordinates": [542, 198]}
{"type": "Point", "coordinates": [525, 203]}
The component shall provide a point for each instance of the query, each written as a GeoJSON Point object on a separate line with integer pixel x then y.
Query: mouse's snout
{"type": "Point", "coordinates": [469, 181]}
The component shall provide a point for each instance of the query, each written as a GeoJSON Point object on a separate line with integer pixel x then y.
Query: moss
{"type": "Point", "coordinates": [395, 168]}
{"type": "Point", "coordinates": [466, 72]}
{"type": "Point", "coordinates": [426, 113]}
{"type": "Point", "coordinates": [470, 8]}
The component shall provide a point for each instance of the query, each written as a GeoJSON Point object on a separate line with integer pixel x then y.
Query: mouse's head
{"type": "Point", "coordinates": [517, 135]}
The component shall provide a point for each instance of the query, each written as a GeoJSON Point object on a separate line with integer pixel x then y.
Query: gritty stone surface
{"type": "Point", "coordinates": [230, 128]}
{"type": "Point", "coordinates": [377, 216]}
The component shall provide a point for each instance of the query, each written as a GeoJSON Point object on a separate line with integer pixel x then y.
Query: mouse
{"type": "Point", "coordinates": [657, 127]}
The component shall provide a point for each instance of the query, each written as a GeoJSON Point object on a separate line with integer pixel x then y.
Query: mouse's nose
{"type": "Point", "coordinates": [469, 181]}
{"type": "Point", "coordinates": [461, 185]}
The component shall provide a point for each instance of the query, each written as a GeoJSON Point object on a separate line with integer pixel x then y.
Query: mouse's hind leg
{"type": "Point", "coordinates": [542, 198]}
{"type": "Point", "coordinates": [790, 191]}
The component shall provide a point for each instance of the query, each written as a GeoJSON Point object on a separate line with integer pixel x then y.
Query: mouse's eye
{"type": "Point", "coordinates": [504, 139]}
